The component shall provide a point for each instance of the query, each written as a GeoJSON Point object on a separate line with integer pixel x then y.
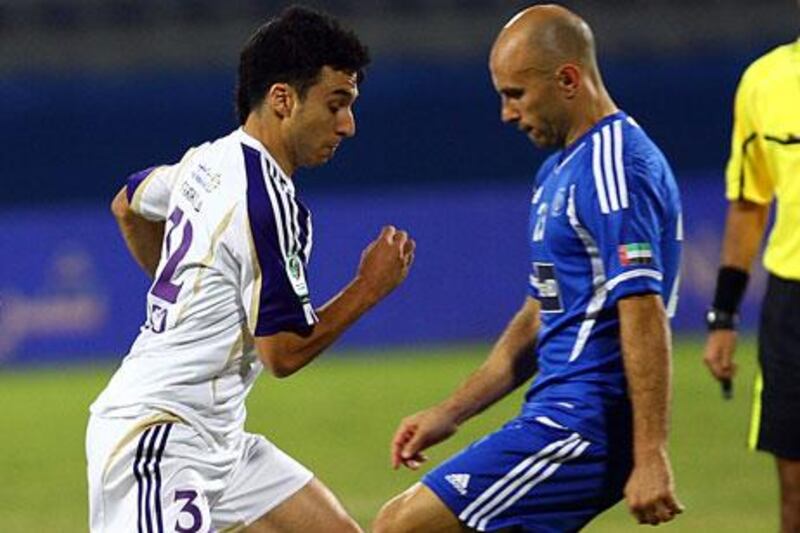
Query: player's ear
{"type": "Point", "coordinates": [281, 99]}
{"type": "Point", "coordinates": [568, 78]}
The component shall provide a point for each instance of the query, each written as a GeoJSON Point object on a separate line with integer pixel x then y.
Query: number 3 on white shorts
{"type": "Point", "coordinates": [190, 511]}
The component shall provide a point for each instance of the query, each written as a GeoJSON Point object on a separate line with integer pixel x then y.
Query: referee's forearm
{"type": "Point", "coordinates": [744, 228]}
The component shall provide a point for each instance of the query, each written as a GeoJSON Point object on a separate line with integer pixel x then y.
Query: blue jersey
{"type": "Point", "coordinates": [605, 223]}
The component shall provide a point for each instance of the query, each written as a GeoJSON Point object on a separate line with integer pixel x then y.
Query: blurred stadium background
{"type": "Point", "coordinates": [93, 90]}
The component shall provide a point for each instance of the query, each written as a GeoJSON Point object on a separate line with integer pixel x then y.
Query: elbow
{"type": "Point", "coordinates": [119, 205]}
{"type": "Point", "coordinates": [284, 353]}
{"type": "Point", "coordinates": [279, 365]}
{"type": "Point", "coordinates": [281, 370]}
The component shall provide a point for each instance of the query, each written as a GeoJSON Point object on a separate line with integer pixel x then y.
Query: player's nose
{"type": "Point", "coordinates": [346, 124]}
{"type": "Point", "coordinates": [509, 114]}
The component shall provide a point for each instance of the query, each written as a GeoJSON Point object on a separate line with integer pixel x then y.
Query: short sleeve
{"type": "Point", "coordinates": [276, 286]}
{"type": "Point", "coordinates": [149, 191]}
{"type": "Point", "coordinates": [746, 176]}
{"type": "Point", "coordinates": [627, 235]}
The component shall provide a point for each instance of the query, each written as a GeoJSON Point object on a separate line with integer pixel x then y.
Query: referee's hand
{"type": "Point", "coordinates": [718, 356]}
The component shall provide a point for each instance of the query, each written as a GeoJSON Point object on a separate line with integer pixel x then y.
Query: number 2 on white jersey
{"type": "Point", "coordinates": [164, 288]}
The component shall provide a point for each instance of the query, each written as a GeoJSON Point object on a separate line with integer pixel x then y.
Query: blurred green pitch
{"type": "Point", "coordinates": [338, 417]}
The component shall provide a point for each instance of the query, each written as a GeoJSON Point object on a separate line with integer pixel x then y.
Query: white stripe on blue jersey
{"type": "Point", "coordinates": [639, 272]}
{"type": "Point", "coordinates": [609, 169]}
{"type": "Point", "coordinates": [599, 181]}
{"type": "Point", "coordinates": [619, 168]}
{"type": "Point", "coordinates": [598, 279]}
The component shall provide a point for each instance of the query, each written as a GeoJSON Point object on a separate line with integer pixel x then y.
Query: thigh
{"type": "Point", "coordinates": [777, 410]}
{"type": "Point", "coordinates": [265, 477]}
{"type": "Point", "coordinates": [529, 475]}
{"type": "Point", "coordinates": [312, 508]}
{"type": "Point", "coordinates": [145, 475]}
{"type": "Point", "coordinates": [417, 510]}
{"type": "Point", "coordinates": [789, 476]}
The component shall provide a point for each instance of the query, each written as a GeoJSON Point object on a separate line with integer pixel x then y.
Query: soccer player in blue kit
{"type": "Point", "coordinates": [605, 232]}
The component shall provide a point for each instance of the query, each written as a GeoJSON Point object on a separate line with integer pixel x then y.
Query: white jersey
{"type": "Point", "coordinates": [233, 267]}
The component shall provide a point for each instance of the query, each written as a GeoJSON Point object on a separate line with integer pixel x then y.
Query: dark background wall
{"type": "Point", "coordinates": [91, 90]}
{"type": "Point", "coordinates": [75, 138]}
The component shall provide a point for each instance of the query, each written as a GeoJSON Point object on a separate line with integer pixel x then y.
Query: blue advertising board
{"type": "Point", "coordinates": [70, 291]}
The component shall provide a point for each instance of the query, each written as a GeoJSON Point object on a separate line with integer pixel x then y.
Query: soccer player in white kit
{"type": "Point", "coordinates": [227, 241]}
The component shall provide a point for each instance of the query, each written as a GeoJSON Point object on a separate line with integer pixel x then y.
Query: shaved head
{"type": "Point", "coordinates": [544, 68]}
{"type": "Point", "coordinates": [547, 36]}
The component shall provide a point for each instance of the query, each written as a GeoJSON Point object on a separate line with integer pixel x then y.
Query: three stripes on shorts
{"type": "Point", "coordinates": [520, 480]}
{"type": "Point", "coordinates": [147, 471]}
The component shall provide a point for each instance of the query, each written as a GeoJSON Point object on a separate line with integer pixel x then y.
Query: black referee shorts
{"type": "Point", "coordinates": [777, 418]}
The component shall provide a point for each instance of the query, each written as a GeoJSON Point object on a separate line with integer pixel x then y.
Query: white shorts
{"type": "Point", "coordinates": [158, 475]}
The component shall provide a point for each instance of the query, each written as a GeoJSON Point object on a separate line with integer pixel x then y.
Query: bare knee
{"type": "Point", "coordinates": [312, 508]}
{"type": "Point", "coordinates": [338, 520]}
{"type": "Point", "coordinates": [340, 523]}
{"type": "Point", "coordinates": [346, 524]}
{"type": "Point", "coordinates": [391, 516]}
{"type": "Point", "coordinates": [417, 510]}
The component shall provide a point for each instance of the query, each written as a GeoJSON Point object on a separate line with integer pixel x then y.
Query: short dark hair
{"type": "Point", "coordinates": [292, 48]}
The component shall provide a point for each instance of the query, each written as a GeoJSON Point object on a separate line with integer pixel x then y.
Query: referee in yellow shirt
{"type": "Point", "coordinates": [765, 166]}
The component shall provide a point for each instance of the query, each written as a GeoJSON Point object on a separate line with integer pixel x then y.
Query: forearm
{"type": "Point", "coordinates": [287, 352]}
{"type": "Point", "coordinates": [142, 237]}
{"type": "Point", "coordinates": [744, 229]}
{"type": "Point", "coordinates": [335, 316]}
{"type": "Point", "coordinates": [384, 265]}
{"type": "Point", "coordinates": [510, 363]}
{"type": "Point", "coordinates": [647, 359]}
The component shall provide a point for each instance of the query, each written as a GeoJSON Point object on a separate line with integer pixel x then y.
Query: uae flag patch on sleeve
{"type": "Point", "coordinates": [637, 253]}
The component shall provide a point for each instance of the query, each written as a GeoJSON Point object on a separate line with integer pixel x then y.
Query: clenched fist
{"type": "Point", "coordinates": [386, 261]}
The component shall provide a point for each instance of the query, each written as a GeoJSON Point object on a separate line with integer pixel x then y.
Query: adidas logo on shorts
{"type": "Point", "coordinates": [459, 482]}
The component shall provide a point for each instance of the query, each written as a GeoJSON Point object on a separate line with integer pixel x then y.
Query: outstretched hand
{"type": "Point", "coordinates": [650, 491]}
{"type": "Point", "coordinates": [418, 432]}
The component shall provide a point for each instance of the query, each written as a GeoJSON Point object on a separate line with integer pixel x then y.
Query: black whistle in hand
{"type": "Point", "coordinates": [727, 388]}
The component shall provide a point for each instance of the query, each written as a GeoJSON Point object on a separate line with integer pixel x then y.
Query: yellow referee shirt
{"type": "Point", "coordinates": [765, 152]}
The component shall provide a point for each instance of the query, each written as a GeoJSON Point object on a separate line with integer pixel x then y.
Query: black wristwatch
{"type": "Point", "coordinates": [718, 319]}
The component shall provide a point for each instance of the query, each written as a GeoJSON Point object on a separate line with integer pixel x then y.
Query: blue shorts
{"type": "Point", "coordinates": [533, 474]}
